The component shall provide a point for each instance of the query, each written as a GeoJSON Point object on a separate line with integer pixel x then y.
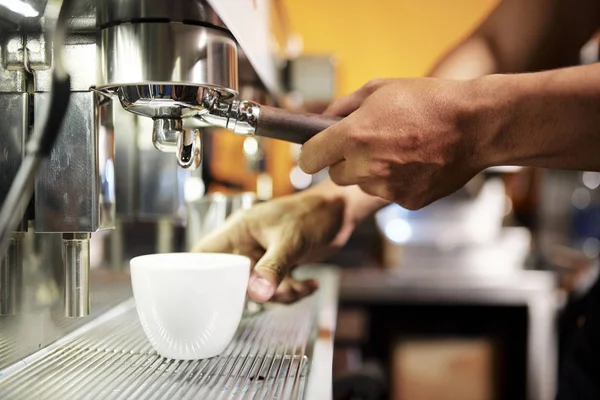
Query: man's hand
{"type": "Point", "coordinates": [279, 234]}
{"type": "Point", "coordinates": [410, 141]}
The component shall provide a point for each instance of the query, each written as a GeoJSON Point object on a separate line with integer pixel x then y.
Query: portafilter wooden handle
{"type": "Point", "coordinates": [290, 126]}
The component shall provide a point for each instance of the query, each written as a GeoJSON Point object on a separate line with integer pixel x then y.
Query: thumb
{"type": "Point", "coordinates": [270, 271]}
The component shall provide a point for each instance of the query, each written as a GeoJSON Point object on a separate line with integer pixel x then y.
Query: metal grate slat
{"type": "Point", "coordinates": [113, 360]}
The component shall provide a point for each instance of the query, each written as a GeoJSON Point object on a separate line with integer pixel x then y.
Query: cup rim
{"type": "Point", "coordinates": [227, 260]}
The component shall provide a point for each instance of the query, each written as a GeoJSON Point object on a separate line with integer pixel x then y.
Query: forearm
{"type": "Point", "coordinates": [547, 119]}
{"type": "Point", "coordinates": [470, 59]}
{"type": "Point", "coordinates": [522, 36]}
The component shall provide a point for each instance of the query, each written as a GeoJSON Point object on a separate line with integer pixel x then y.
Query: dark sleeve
{"type": "Point", "coordinates": [580, 370]}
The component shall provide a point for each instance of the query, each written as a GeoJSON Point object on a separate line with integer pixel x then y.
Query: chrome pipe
{"type": "Point", "coordinates": [165, 231]}
{"type": "Point", "coordinates": [76, 258]}
{"type": "Point", "coordinates": [11, 273]}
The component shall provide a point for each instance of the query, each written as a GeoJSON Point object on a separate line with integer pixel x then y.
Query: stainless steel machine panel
{"type": "Point", "coordinates": [11, 81]}
{"type": "Point", "coordinates": [163, 53]}
{"type": "Point", "coordinates": [75, 188]}
{"type": "Point", "coordinates": [14, 108]}
{"type": "Point", "coordinates": [126, 161]}
{"type": "Point", "coordinates": [81, 53]}
{"type": "Point", "coordinates": [12, 148]}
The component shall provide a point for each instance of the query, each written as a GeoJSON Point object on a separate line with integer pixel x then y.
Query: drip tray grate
{"type": "Point", "coordinates": [110, 358]}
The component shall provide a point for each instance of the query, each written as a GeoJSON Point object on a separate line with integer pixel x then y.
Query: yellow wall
{"type": "Point", "coordinates": [382, 38]}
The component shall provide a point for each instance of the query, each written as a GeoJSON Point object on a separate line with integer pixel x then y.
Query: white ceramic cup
{"type": "Point", "coordinates": [190, 304]}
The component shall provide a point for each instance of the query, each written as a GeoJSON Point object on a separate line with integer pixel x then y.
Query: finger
{"type": "Point", "coordinates": [291, 290]}
{"type": "Point", "coordinates": [350, 103]}
{"type": "Point", "coordinates": [270, 270]}
{"type": "Point", "coordinates": [325, 149]}
{"type": "Point", "coordinates": [346, 173]}
{"type": "Point", "coordinates": [378, 188]}
{"type": "Point", "coordinates": [284, 293]}
{"type": "Point", "coordinates": [346, 105]}
{"type": "Point", "coordinates": [305, 287]}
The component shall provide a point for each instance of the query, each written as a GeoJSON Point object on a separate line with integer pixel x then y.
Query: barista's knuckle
{"type": "Point", "coordinates": [334, 107]}
{"type": "Point", "coordinates": [388, 193]}
{"type": "Point", "coordinates": [275, 267]}
{"type": "Point", "coordinates": [373, 85]}
{"type": "Point", "coordinates": [301, 244]}
{"type": "Point", "coordinates": [337, 178]}
{"type": "Point", "coordinates": [368, 189]}
{"type": "Point", "coordinates": [411, 203]}
{"type": "Point", "coordinates": [351, 136]}
{"type": "Point", "coordinates": [407, 204]}
{"type": "Point", "coordinates": [355, 140]}
{"type": "Point", "coordinates": [380, 170]}
{"type": "Point", "coordinates": [380, 189]}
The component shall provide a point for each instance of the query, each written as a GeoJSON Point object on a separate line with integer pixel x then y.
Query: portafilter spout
{"type": "Point", "coordinates": [169, 106]}
{"type": "Point", "coordinates": [169, 136]}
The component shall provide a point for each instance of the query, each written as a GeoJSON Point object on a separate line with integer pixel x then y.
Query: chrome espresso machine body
{"type": "Point", "coordinates": [146, 77]}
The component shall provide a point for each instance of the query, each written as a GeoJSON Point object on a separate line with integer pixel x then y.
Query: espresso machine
{"type": "Point", "coordinates": [145, 80]}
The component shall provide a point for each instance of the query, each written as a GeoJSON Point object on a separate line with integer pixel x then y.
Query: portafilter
{"type": "Point", "coordinates": [184, 77]}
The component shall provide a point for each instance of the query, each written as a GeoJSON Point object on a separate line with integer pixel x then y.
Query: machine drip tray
{"type": "Point", "coordinates": [110, 358]}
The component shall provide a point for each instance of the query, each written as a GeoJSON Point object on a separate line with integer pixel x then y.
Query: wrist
{"type": "Point", "coordinates": [489, 114]}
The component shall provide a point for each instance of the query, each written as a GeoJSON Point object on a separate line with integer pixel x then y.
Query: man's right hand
{"type": "Point", "coordinates": [279, 234]}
